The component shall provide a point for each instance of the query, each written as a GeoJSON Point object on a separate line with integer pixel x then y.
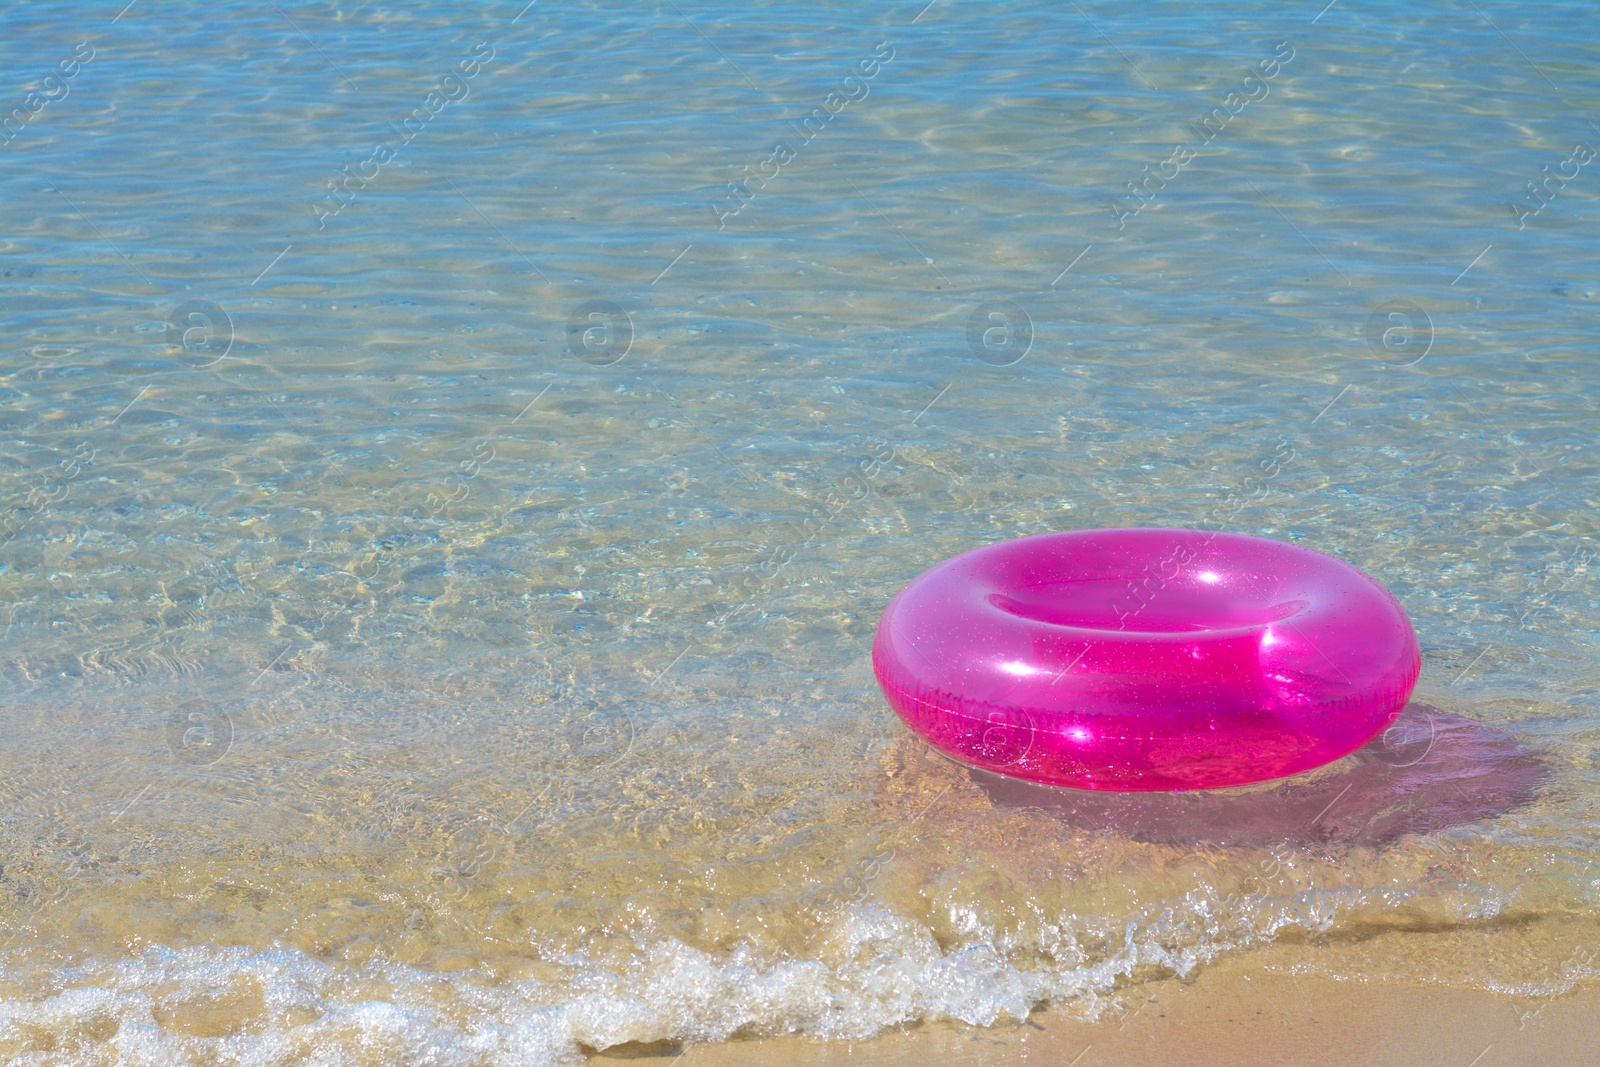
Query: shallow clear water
{"type": "Point", "coordinates": [402, 663]}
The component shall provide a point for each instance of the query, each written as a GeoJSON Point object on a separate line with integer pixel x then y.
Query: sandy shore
{"type": "Point", "coordinates": [1232, 1015]}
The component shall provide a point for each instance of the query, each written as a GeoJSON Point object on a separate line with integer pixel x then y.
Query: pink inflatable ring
{"type": "Point", "coordinates": [1145, 659]}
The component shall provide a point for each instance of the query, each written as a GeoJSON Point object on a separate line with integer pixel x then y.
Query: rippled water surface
{"type": "Point", "coordinates": [444, 520]}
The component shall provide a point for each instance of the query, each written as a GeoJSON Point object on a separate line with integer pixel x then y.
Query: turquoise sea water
{"type": "Point", "coordinates": [454, 458]}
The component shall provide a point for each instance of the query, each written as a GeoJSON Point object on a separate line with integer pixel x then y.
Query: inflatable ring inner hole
{"type": "Point", "coordinates": [1105, 604]}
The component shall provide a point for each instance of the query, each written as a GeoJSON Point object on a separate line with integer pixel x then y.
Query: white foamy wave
{"type": "Point", "coordinates": [875, 970]}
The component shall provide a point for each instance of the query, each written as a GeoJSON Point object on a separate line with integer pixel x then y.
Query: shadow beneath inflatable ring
{"type": "Point", "coordinates": [1430, 771]}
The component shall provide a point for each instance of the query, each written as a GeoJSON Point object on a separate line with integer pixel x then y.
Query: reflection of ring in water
{"type": "Point", "coordinates": [1436, 771]}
